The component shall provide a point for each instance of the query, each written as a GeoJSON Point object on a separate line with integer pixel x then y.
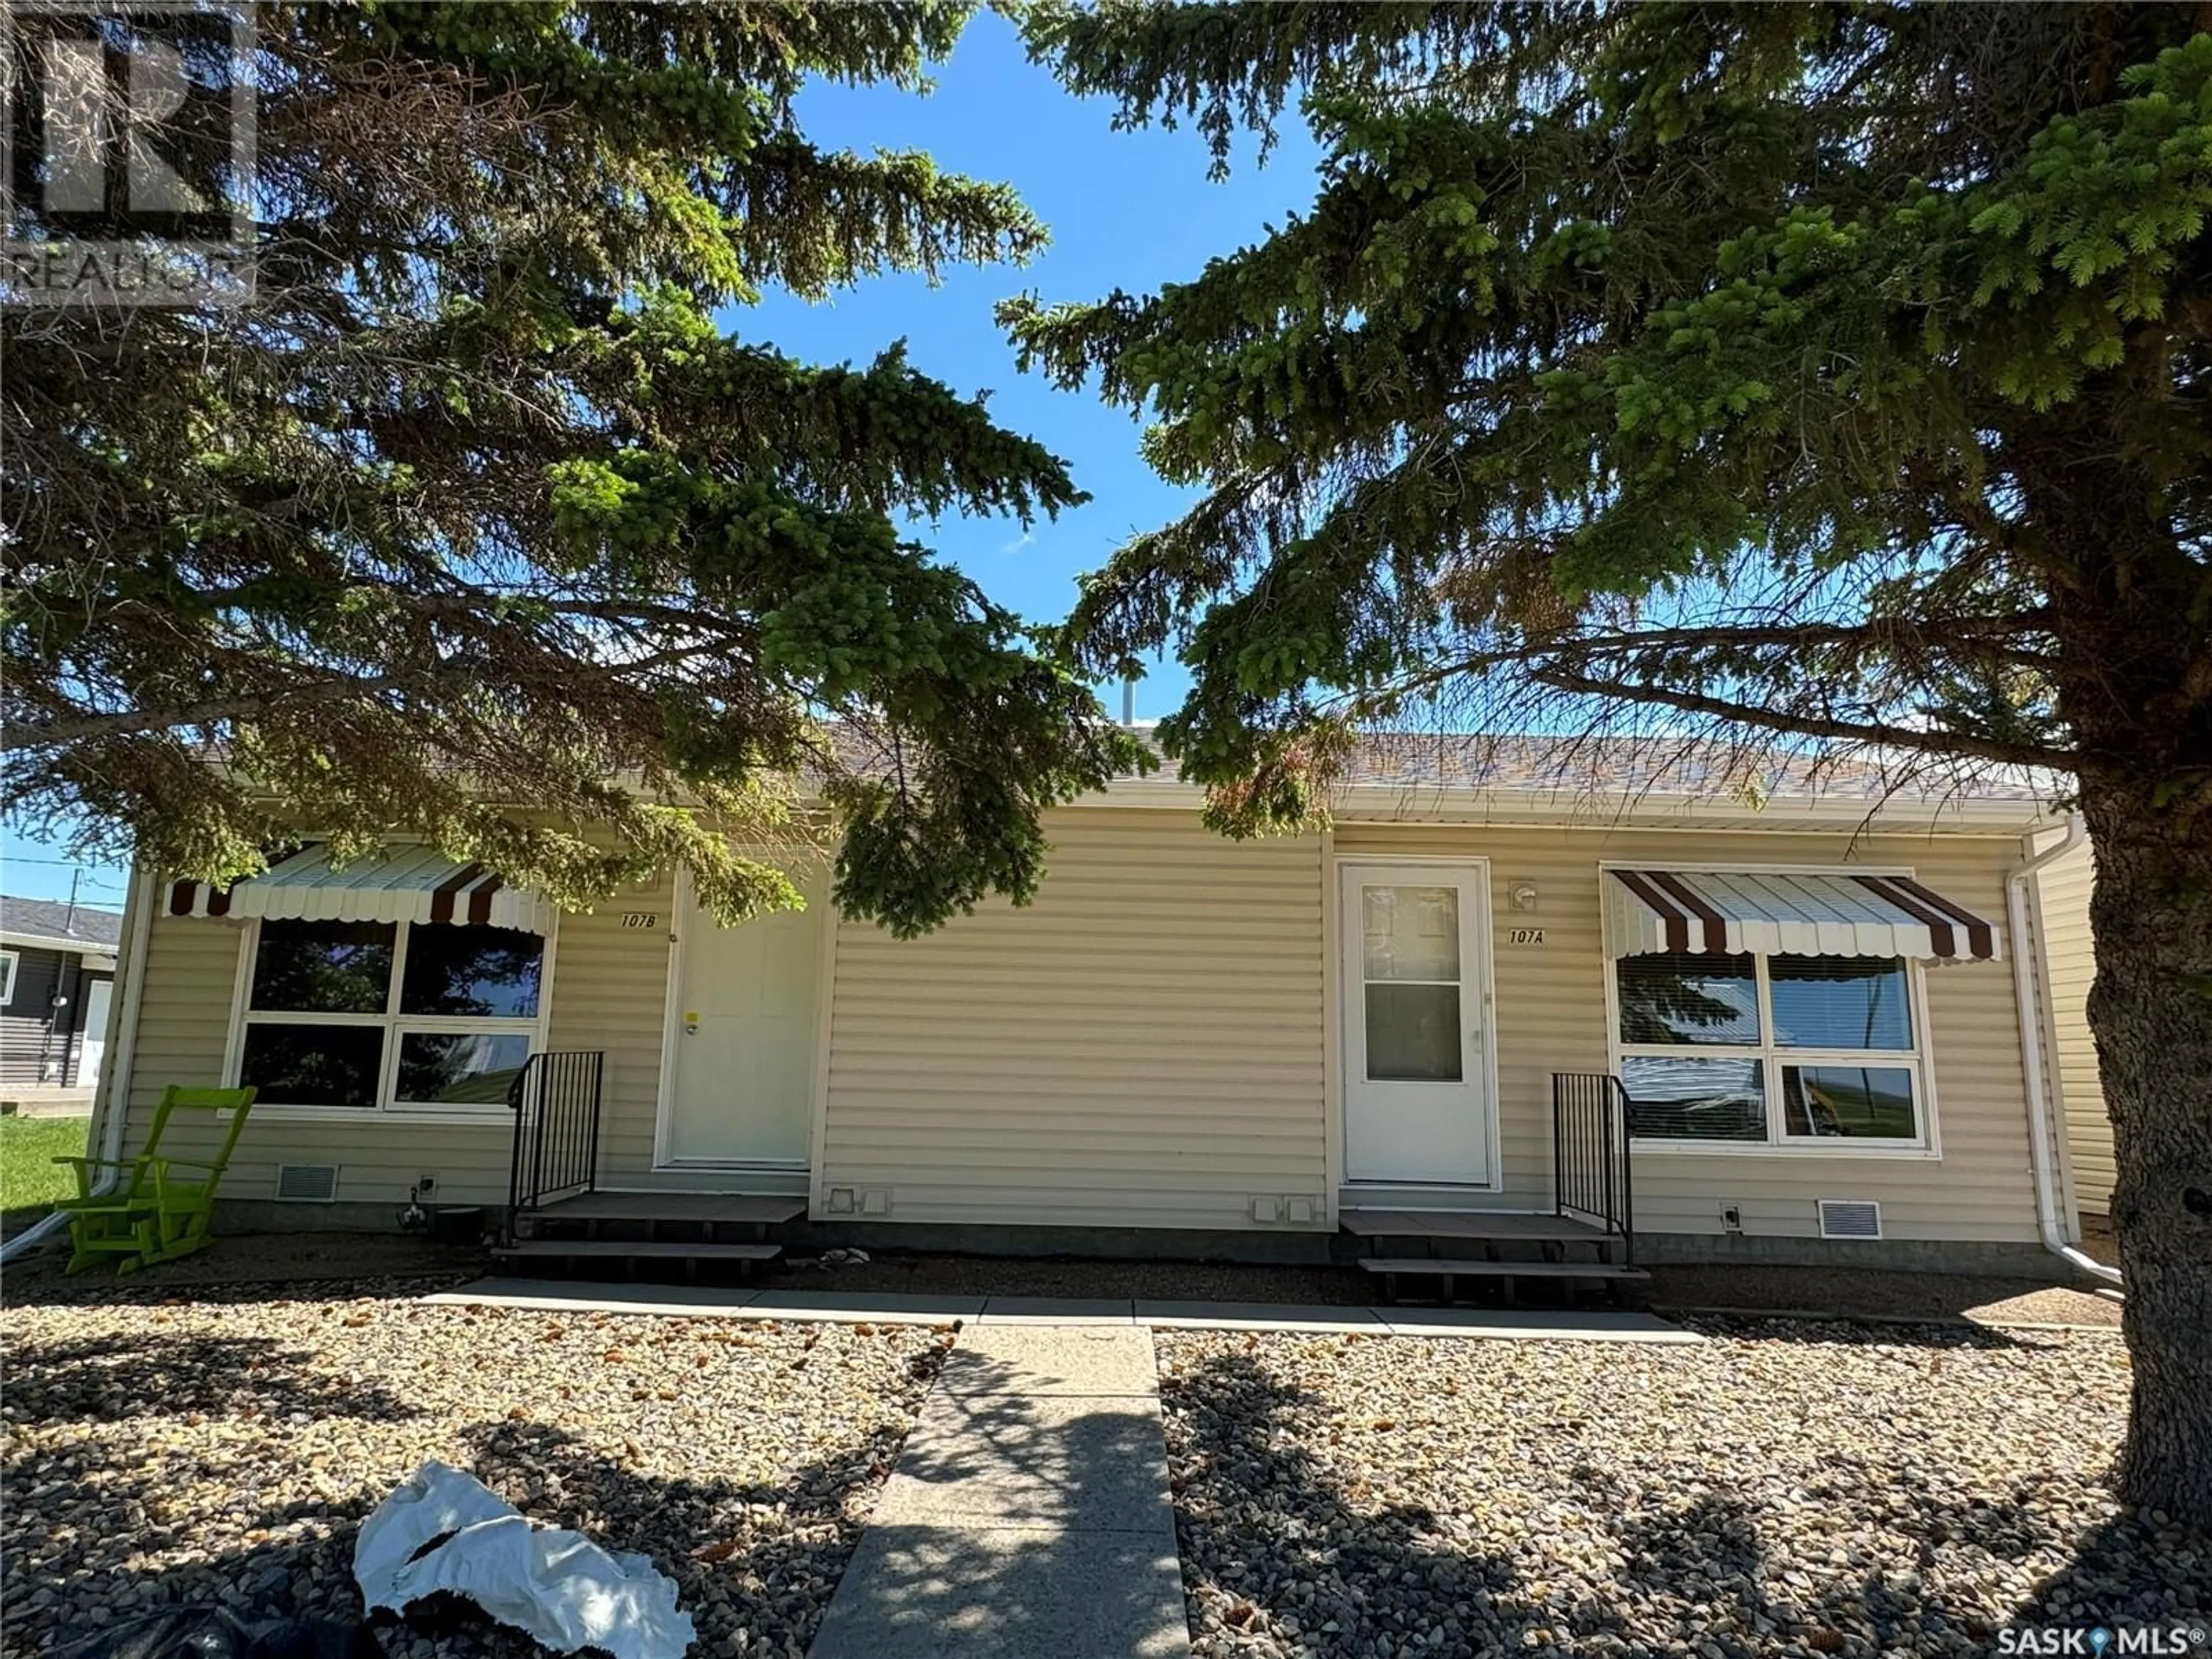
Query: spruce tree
{"type": "Point", "coordinates": [1831, 374]}
{"type": "Point", "coordinates": [488, 520]}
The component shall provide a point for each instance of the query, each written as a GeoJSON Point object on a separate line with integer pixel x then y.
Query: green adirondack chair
{"type": "Point", "coordinates": [152, 1214]}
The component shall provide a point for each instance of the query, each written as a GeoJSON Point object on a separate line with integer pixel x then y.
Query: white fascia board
{"type": "Point", "coordinates": [1965, 815]}
{"type": "Point", "coordinates": [1643, 810]}
{"type": "Point", "coordinates": [1646, 809]}
{"type": "Point", "coordinates": [70, 947]}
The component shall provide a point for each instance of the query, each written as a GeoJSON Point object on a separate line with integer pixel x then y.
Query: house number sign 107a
{"type": "Point", "coordinates": [1524, 936]}
{"type": "Point", "coordinates": [640, 919]}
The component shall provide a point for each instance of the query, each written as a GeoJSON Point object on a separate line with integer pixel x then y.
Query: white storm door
{"type": "Point", "coordinates": [1417, 1093]}
{"type": "Point", "coordinates": [92, 1047]}
{"type": "Point", "coordinates": [746, 1003]}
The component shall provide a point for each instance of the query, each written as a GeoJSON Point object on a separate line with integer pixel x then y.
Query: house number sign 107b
{"type": "Point", "coordinates": [640, 919]}
{"type": "Point", "coordinates": [1524, 936]}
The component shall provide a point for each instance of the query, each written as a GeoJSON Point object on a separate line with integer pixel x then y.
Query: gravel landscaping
{"type": "Point", "coordinates": [259, 1259]}
{"type": "Point", "coordinates": [1984, 1298]}
{"type": "Point", "coordinates": [159, 1450]}
{"type": "Point", "coordinates": [1787, 1488]}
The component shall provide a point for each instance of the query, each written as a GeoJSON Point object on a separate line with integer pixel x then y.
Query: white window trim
{"type": "Point", "coordinates": [1920, 1059]}
{"type": "Point", "coordinates": [10, 961]}
{"type": "Point", "coordinates": [386, 1108]}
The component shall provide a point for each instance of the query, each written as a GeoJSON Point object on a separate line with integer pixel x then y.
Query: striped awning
{"type": "Point", "coordinates": [1808, 915]}
{"type": "Point", "coordinates": [401, 883]}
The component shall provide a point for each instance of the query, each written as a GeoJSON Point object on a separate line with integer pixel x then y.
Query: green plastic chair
{"type": "Point", "coordinates": [152, 1215]}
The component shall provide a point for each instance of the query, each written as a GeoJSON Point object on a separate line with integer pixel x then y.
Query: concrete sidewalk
{"type": "Point", "coordinates": [1028, 1514]}
{"type": "Point", "coordinates": [891, 1307]}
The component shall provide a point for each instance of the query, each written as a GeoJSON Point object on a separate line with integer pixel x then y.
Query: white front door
{"type": "Point", "coordinates": [746, 1002]}
{"type": "Point", "coordinates": [92, 1047]}
{"type": "Point", "coordinates": [1416, 993]}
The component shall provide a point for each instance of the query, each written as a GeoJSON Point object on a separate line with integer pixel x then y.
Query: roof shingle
{"type": "Point", "coordinates": [100, 930]}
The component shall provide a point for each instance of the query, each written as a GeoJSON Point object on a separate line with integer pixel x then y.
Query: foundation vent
{"type": "Point", "coordinates": [307, 1183]}
{"type": "Point", "coordinates": [1849, 1218]}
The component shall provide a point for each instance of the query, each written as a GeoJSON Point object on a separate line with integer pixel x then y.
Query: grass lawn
{"type": "Point", "coordinates": [30, 1181]}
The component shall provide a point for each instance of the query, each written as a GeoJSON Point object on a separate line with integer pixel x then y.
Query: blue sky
{"type": "Point", "coordinates": [1132, 209]}
{"type": "Point", "coordinates": [1127, 210]}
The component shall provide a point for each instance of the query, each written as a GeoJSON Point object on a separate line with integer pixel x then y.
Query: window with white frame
{"type": "Point", "coordinates": [371, 1016]}
{"type": "Point", "coordinates": [8, 960]}
{"type": "Point", "coordinates": [1807, 1052]}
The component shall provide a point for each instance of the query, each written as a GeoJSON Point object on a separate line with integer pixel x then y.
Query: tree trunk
{"type": "Point", "coordinates": [2151, 1013]}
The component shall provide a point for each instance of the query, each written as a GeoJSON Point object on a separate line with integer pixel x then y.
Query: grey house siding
{"type": "Point", "coordinates": [29, 1043]}
{"type": "Point", "coordinates": [40, 1041]}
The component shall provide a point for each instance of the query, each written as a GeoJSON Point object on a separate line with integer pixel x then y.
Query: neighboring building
{"type": "Point", "coordinates": [1189, 1044]}
{"type": "Point", "coordinates": [56, 975]}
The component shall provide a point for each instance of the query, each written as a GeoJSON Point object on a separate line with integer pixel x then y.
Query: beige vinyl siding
{"type": "Point", "coordinates": [1148, 1044]}
{"type": "Point", "coordinates": [1551, 1017]}
{"type": "Point", "coordinates": [1141, 1046]}
{"type": "Point", "coordinates": [2070, 966]}
{"type": "Point", "coordinates": [607, 991]}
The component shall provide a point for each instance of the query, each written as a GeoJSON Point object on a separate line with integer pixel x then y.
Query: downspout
{"type": "Point", "coordinates": [2040, 1149]}
{"type": "Point", "coordinates": [111, 1111]}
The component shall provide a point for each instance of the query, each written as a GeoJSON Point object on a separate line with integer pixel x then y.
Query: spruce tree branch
{"type": "Point", "coordinates": [1879, 734]}
{"type": "Point", "coordinates": [1961, 636]}
{"type": "Point", "coordinates": [89, 728]}
{"type": "Point", "coordinates": [92, 728]}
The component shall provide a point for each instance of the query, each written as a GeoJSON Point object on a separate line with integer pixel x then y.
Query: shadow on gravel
{"type": "Point", "coordinates": [303, 1267]}
{"type": "Point", "coordinates": [1693, 1573]}
{"type": "Point", "coordinates": [1374, 1574]}
{"type": "Point", "coordinates": [1843, 1329]}
{"type": "Point", "coordinates": [95, 1289]}
{"type": "Point", "coordinates": [1706, 1558]}
{"type": "Point", "coordinates": [113, 1379]}
{"type": "Point", "coordinates": [82, 1519]}
{"type": "Point", "coordinates": [1873, 1293]}
{"type": "Point", "coordinates": [2106, 1582]}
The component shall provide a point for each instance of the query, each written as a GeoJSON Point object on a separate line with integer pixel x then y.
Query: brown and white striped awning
{"type": "Point", "coordinates": [401, 883]}
{"type": "Point", "coordinates": [1804, 916]}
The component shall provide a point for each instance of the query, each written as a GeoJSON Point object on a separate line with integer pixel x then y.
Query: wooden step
{"type": "Point", "coordinates": [1421, 1264]}
{"type": "Point", "coordinates": [766, 1209]}
{"type": "Point", "coordinates": [1496, 1226]}
{"type": "Point", "coordinates": [665, 1249]}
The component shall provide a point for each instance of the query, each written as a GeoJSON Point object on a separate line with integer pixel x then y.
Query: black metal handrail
{"type": "Point", "coordinates": [1590, 1177]}
{"type": "Point", "coordinates": [555, 1101]}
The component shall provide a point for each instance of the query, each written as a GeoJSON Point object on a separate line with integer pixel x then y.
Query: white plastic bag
{"type": "Point", "coordinates": [556, 1585]}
